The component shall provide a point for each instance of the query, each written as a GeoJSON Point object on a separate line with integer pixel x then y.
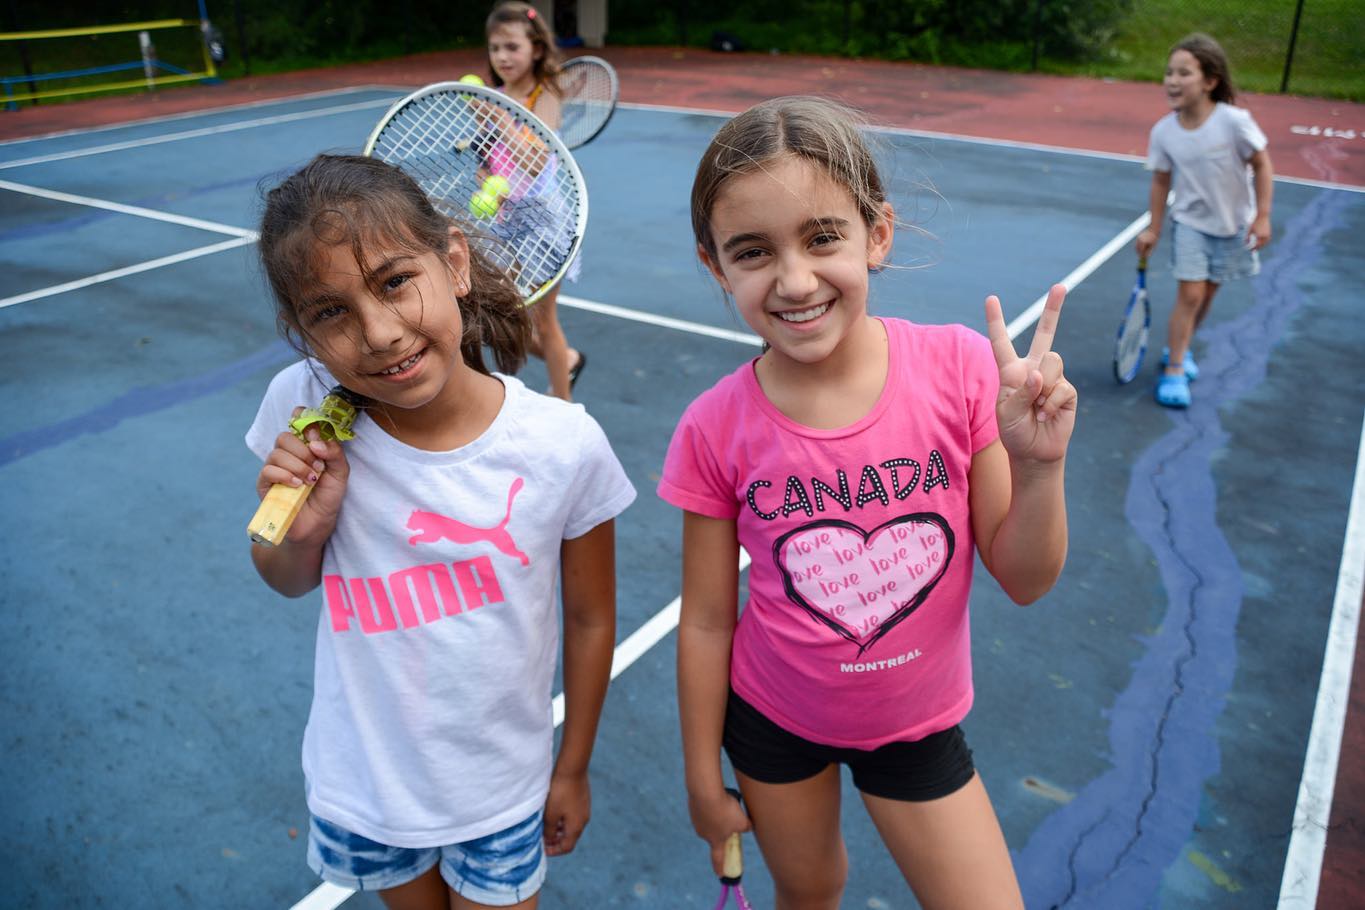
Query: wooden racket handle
{"type": "Point", "coordinates": [732, 868]}
{"type": "Point", "coordinates": [277, 512]}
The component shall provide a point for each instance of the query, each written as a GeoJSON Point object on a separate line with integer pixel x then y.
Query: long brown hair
{"type": "Point", "coordinates": [356, 200]}
{"type": "Point", "coordinates": [1213, 63]}
{"type": "Point", "coordinates": [546, 66]}
{"type": "Point", "coordinates": [825, 133]}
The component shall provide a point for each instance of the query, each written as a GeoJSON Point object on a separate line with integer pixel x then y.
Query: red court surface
{"type": "Point", "coordinates": [1311, 139]}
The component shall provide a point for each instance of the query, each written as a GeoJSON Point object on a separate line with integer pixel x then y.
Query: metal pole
{"type": "Point", "coordinates": [1037, 33]}
{"type": "Point", "coordinates": [240, 22]}
{"type": "Point", "coordinates": [23, 51]}
{"type": "Point", "coordinates": [1293, 39]}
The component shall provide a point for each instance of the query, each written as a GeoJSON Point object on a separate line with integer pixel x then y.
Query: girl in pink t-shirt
{"type": "Point", "coordinates": [859, 461]}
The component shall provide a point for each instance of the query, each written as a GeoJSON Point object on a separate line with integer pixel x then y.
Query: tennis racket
{"type": "Point", "coordinates": [732, 870]}
{"type": "Point", "coordinates": [1130, 345]}
{"type": "Point", "coordinates": [589, 91]}
{"type": "Point", "coordinates": [334, 418]}
{"type": "Point", "coordinates": [498, 171]}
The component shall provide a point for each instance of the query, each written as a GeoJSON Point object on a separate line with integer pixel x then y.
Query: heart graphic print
{"type": "Point", "coordinates": [862, 583]}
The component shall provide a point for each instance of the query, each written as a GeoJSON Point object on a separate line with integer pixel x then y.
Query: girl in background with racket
{"type": "Point", "coordinates": [524, 63]}
{"type": "Point", "coordinates": [1213, 156]}
{"type": "Point", "coordinates": [438, 535]}
{"type": "Point", "coordinates": [860, 461]}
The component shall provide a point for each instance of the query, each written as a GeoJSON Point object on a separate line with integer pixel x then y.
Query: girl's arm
{"type": "Point", "coordinates": [706, 631]}
{"type": "Point", "coordinates": [588, 584]}
{"type": "Point", "coordinates": [1263, 183]}
{"type": "Point", "coordinates": [294, 567]}
{"type": "Point", "coordinates": [1156, 206]}
{"type": "Point", "coordinates": [1018, 496]}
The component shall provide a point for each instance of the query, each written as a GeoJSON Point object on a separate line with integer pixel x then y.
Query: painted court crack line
{"type": "Point", "coordinates": [1111, 845]}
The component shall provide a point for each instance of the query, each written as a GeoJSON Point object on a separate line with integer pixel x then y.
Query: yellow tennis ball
{"type": "Point", "coordinates": [497, 186]}
{"type": "Point", "coordinates": [472, 79]}
{"type": "Point", "coordinates": [483, 205]}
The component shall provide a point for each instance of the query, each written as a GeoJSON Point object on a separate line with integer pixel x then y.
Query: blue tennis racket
{"type": "Point", "coordinates": [1130, 345]}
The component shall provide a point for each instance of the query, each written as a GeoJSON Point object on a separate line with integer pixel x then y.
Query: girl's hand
{"type": "Point", "coordinates": [1259, 233]}
{"type": "Point", "coordinates": [716, 815]}
{"type": "Point", "coordinates": [1146, 242]}
{"type": "Point", "coordinates": [567, 810]}
{"type": "Point", "coordinates": [294, 462]}
{"type": "Point", "coordinates": [1036, 408]}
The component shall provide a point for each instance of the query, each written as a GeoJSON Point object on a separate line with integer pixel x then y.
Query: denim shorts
{"type": "Point", "coordinates": [1196, 256]}
{"type": "Point", "coordinates": [498, 869]}
{"type": "Point", "coordinates": [926, 769]}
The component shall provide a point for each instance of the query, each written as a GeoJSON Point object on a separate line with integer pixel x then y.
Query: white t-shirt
{"type": "Point", "coordinates": [1210, 176]}
{"type": "Point", "coordinates": [438, 634]}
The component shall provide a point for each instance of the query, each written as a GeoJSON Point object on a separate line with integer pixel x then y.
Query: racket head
{"type": "Point", "coordinates": [1130, 343]}
{"type": "Point", "coordinates": [452, 137]}
{"type": "Point", "coordinates": [589, 92]}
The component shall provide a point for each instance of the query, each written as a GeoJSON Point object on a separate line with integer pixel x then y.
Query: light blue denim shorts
{"type": "Point", "coordinates": [498, 869]}
{"type": "Point", "coordinates": [1196, 256]}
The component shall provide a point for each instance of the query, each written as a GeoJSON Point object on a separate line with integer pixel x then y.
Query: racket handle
{"type": "Point", "coordinates": [277, 512]}
{"type": "Point", "coordinates": [732, 868]}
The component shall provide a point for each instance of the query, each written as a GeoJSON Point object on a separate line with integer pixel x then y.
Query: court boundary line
{"type": "Point", "coordinates": [185, 115]}
{"type": "Point", "coordinates": [124, 209]}
{"type": "Point", "coordinates": [981, 140]}
{"type": "Point", "coordinates": [1313, 808]}
{"type": "Point", "coordinates": [196, 133]}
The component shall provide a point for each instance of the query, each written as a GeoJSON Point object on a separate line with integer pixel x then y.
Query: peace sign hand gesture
{"type": "Point", "coordinates": [1036, 408]}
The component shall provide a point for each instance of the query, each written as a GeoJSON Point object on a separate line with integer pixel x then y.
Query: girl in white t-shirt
{"type": "Point", "coordinates": [1220, 216]}
{"type": "Point", "coordinates": [438, 535]}
{"type": "Point", "coordinates": [860, 462]}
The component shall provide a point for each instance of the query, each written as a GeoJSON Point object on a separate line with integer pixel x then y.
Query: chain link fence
{"type": "Point", "coordinates": [1309, 47]}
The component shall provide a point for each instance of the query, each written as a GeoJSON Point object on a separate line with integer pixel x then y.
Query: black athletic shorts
{"type": "Point", "coordinates": [928, 768]}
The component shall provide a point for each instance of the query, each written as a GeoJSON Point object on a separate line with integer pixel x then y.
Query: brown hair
{"type": "Point", "coordinates": [546, 67]}
{"type": "Point", "coordinates": [354, 200]}
{"type": "Point", "coordinates": [818, 130]}
{"type": "Point", "coordinates": [1213, 63]}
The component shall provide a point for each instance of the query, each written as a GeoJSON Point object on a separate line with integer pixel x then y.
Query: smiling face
{"type": "Point", "coordinates": [392, 330]}
{"type": "Point", "coordinates": [512, 54]}
{"type": "Point", "coordinates": [1187, 88]}
{"type": "Point", "coordinates": [793, 250]}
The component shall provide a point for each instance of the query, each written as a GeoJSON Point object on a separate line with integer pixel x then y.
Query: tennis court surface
{"type": "Point", "coordinates": [1146, 731]}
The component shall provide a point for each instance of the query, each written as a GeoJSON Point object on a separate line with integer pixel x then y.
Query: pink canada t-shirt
{"type": "Point", "coordinates": [855, 633]}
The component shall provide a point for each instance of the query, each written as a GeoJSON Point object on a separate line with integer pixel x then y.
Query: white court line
{"type": "Point", "coordinates": [667, 322]}
{"type": "Point", "coordinates": [1313, 810]}
{"type": "Point", "coordinates": [196, 134]}
{"type": "Point", "coordinates": [981, 140]}
{"type": "Point", "coordinates": [1080, 273]}
{"type": "Point", "coordinates": [203, 112]}
{"type": "Point", "coordinates": [129, 270]}
{"type": "Point", "coordinates": [139, 211]}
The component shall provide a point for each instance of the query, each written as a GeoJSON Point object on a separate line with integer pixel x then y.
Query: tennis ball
{"type": "Point", "coordinates": [497, 186]}
{"type": "Point", "coordinates": [471, 79]}
{"type": "Point", "coordinates": [483, 205]}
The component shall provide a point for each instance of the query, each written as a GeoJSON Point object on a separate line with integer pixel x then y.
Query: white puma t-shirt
{"type": "Point", "coordinates": [439, 631]}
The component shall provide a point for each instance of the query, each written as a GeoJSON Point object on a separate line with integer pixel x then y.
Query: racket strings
{"type": "Point", "coordinates": [589, 91]}
{"type": "Point", "coordinates": [492, 175]}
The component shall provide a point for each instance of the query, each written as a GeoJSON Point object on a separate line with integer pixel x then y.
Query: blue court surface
{"type": "Point", "coordinates": [1142, 730]}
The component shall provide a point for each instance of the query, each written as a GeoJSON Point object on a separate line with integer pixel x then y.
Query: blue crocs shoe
{"type": "Point", "coordinates": [1173, 391]}
{"type": "Point", "coordinates": [1191, 368]}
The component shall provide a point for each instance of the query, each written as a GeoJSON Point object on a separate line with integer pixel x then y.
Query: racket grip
{"type": "Point", "coordinates": [732, 867]}
{"type": "Point", "coordinates": [277, 512]}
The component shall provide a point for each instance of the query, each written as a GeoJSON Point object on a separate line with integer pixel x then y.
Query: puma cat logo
{"type": "Point", "coordinates": [431, 527]}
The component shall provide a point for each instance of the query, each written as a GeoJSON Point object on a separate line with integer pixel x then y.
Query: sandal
{"type": "Point", "coordinates": [1191, 368]}
{"type": "Point", "coordinates": [1173, 391]}
{"type": "Point", "coordinates": [577, 368]}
